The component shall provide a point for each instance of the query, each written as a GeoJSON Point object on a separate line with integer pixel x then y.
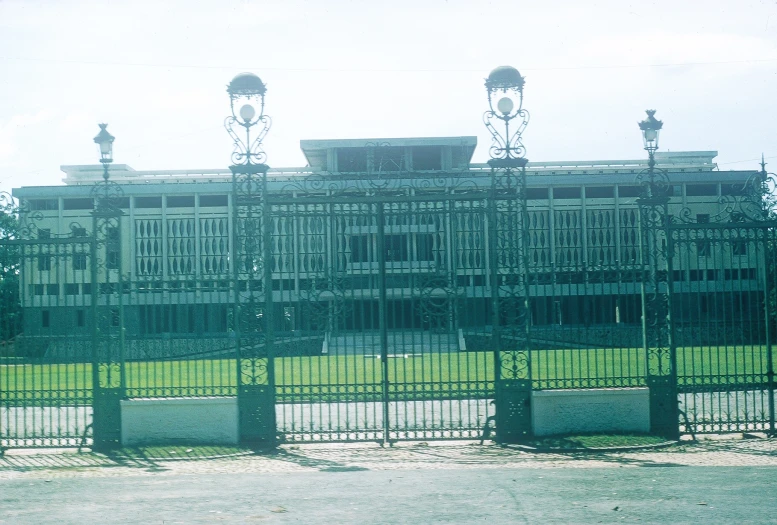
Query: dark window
{"type": "Point", "coordinates": [425, 247]}
{"type": "Point", "coordinates": [702, 218]}
{"type": "Point", "coordinates": [701, 190]}
{"type": "Point", "coordinates": [210, 201]}
{"type": "Point", "coordinates": [703, 248]}
{"type": "Point", "coordinates": [566, 193]}
{"type": "Point", "coordinates": [351, 160]}
{"type": "Point", "coordinates": [44, 263]}
{"type": "Point", "coordinates": [77, 231]}
{"type": "Point", "coordinates": [427, 158]}
{"type": "Point", "coordinates": [360, 248]}
{"type": "Point", "coordinates": [181, 201]}
{"type": "Point", "coordinates": [79, 261]}
{"type": "Point", "coordinates": [87, 288]}
{"type": "Point", "coordinates": [80, 318]}
{"type": "Point", "coordinates": [120, 202]}
{"type": "Point", "coordinates": [386, 158]}
{"type": "Point", "coordinates": [71, 289]}
{"type": "Point", "coordinates": [629, 191]}
{"type": "Point", "coordinates": [736, 188]}
{"type": "Point", "coordinates": [78, 204]}
{"type": "Point", "coordinates": [36, 289]}
{"type": "Point", "coordinates": [599, 192]}
{"type": "Point", "coordinates": [114, 317]}
{"type": "Point", "coordinates": [44, 204]}
{"type": "Point", "coordinates": [148, 202]}
{"type": "Point", "coordinates": [395, 248]}
{"type": "Point", "coordinates": [112, 259]}
{"type": "Point", "coordinates": [52, 289]}
{"type": "Point", "coordinates": [536, 193]}
{"type": "Point", "coordinates": [45, 318]}
{"type": "Point", "coordinates": [44, 234]}
{"type": "Point", "coordinates": [739, 248]}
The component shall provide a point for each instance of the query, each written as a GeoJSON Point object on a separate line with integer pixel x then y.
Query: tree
{"type": "Point", "coordinates": [10, 267]}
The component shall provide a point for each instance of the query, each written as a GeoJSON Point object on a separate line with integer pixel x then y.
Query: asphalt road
{"type": "Point", "coordinates": [659, 494]}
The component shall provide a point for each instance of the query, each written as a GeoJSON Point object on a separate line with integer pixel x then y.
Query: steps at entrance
{"type": "Point", "coordinates": [400, 344]}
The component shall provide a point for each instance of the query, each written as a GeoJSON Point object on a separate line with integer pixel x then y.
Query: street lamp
{"type": "Point", "coordinates": [504, 87]}
{"type": "Point", "coordinates": [657, 184]}
{"type": "Point", "coordinates": [105, 142]}
{"type": "Point", "coordinates": [651, 129]}
{"type": "Point", "coordinates": [246, 99]}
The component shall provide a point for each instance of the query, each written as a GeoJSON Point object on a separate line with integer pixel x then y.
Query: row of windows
{"type": "Point", "coordinates": [557, 192]}
{"type": "Point", "coordinates": [608, 192]}
{"type": "Point", "coordinates": [173, 201]}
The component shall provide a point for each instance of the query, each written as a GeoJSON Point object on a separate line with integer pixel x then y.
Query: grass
{"type": "Point", "coordinates": [348, 377]}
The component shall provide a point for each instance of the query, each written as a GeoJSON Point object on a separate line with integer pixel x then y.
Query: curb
{"type": "Point", "coordinates": [594, 450]}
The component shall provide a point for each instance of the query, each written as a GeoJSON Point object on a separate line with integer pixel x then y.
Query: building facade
{"type": "Point", "coordinates": [333, 253]}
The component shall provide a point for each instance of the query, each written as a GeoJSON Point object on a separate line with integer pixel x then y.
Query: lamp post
{"type": "Point", "coordinates": [105, 142]}
{"type": "Point", "coordinates": [506, 119]}
{"type": "Point", "coordinates": [108, 378]}
{"type": "Point", "coordinates": [250, 261]}
{"type": "Point", "coordinates": [656, 292]}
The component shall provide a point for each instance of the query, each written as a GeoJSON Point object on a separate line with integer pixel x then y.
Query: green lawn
{"type": "Point", "coordinates": [349, 377]}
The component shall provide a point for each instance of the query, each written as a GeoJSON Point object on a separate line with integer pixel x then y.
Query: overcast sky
{"type": "Point", "coordinates": [157, 71]}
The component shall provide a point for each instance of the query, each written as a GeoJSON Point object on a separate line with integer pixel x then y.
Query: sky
{"type": "Point", "coordinates": [156, 72]}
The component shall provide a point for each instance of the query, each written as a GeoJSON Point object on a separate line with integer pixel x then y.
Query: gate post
{"type": "Point", "coordinates": [107, 305]}
{"type": "Point", "coordinates": [657, 252]}
{"type": "Point", "coordinates": [507, 240]}
{"type": "Point", "coordinates": [252, 264]}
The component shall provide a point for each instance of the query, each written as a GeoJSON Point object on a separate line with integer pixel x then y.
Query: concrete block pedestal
{"type": "Point", "coordinates": [590, 410]}
{"type": "Point", "coordinates": [212, 421]}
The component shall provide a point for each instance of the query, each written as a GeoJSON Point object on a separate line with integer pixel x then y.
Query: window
{"type": "Point", "coordinates": [702, 218]}
{"type": "Point", "coordinates": [44, 263]}
{"type": "Point", "coordinates": [395, 248]}
{"type": "Point", "coordinates": [359, 248]}
{"type": "Point", "coordinates": [701, 190]}
{"type": "Point", "coordinates": [44, 204]}
{"type": "Point", "coordinates": [44, 233]}
{"type": "Point", "coordinates": [115, 317]}
{"type": "Point", "coordinates": [736, 188]}
{"type": "Point", "coordinates": [211, 201]}
{"type": "Point", "coordinates": [629, 191]}
{"type": "Point", "coordinates": [351, 160]}
{"type": "Point", "coordinates": [77, 232]}
{"type": "Point", "coordinates": [79, 261]}
{"type": "Point", "coordinates": [600, 192]}
{"type": "Point", "coordinates": [739, 248]}
{"type": "Point", "coordinates": [71, 289]}
{"type": "Point", "coordinates": [566, 193]}
{"type": "Point", "coordinates": [427, 158]}
{"type": "Point", "coordinates": [703, 248]}
{"type": "Point", "coordinates": [78, 204]}
{"type": "Point", "coordinates": [45, 318]}
{"type": "Point", "coordinates": [537, 193]}
{"type": "Point", "coordinates": [52, 289]}
{"type": "Point", "coordinates": [80, 318]}
{"type": "Point", "coordinates": [180, 202]}
{"type": "Point", "coordinates": [387, 158]}
{"type": "Point", "coordinates": [148, 202]}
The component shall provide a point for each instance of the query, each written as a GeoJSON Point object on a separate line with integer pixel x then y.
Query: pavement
{"type": "Point", "coordinates": [731, 480]}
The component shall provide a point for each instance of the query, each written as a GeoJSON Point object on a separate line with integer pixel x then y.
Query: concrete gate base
{"type": "Point", "coordinates": [590, 410]}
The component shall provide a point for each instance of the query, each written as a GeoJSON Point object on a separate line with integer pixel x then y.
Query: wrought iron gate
{"type": "Point", "coordinates": [722, 277]}
{"type": "Point", "coordinates": [377, 338]}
